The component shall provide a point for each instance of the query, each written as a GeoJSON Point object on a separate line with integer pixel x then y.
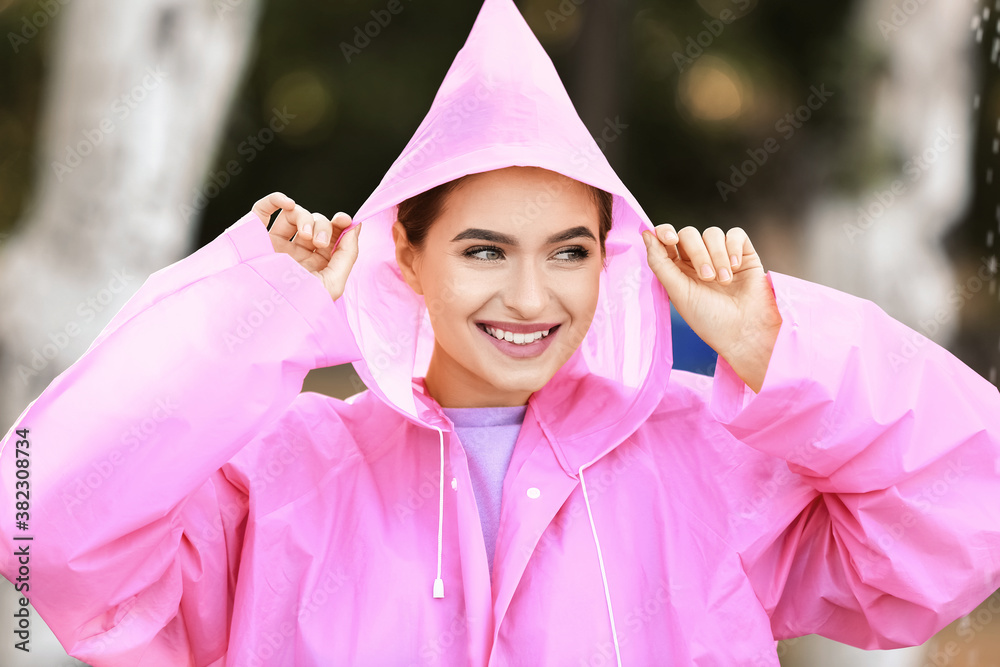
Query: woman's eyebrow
{"type": "Point", "coordinates": [497, 237]}
{"type": "Point", "coordinates": [572, 233]}
{"type": "Point", "coordinates": [485, 235]}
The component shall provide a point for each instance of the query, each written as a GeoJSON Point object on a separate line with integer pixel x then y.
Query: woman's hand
{"type": "Point", "coordinates": [717, 284]}
{"type": "Point", "coordinates": [310, 239]}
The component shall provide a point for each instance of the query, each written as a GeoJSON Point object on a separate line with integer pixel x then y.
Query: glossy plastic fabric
{"type": "Point", "coordinates": [190, 506]}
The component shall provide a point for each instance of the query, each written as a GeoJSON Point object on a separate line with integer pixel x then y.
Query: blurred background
{"type": "Point", "coordinates": [856, 141]}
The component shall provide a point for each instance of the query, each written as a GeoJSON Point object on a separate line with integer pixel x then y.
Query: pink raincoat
{"type": "Point", "coordinates": [189, 506]}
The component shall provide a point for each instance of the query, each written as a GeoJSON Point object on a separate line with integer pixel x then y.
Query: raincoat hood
{"type": "Point", "coordinates": [502, 104]}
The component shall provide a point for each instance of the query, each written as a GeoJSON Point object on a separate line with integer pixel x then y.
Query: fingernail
{"type": "Point", "coordinates": [646, 239]}
{"type": "Point", "coordinates": [671, 236]}
{"type": "Point", "coordinates": [724, 275]}
{"type": "Point", "coordinates": [706, 271]}
{"type": "Point", "coordinates": [734, 260]}
{"type": "Point", "coordinates": [307, 229]}
{"type": "Point", "coordinates": [322, 237]}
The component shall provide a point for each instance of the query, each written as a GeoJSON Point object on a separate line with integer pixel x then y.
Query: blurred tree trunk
{"type": "Point", "coordinates": [600, 74]}
{"type": "Point", "coordinates": [135, 105]}
{"type": "Point", "coordinates": [918, 142]}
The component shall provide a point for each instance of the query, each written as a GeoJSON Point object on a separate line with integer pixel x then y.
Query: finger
{"type": "Point", "coordinates": [321, 232]}
{"type": "Point", "coordinates": [340, 223]}
{"type": "Point", "coordinates": [667, 235]}
{"type": "Point", "coordinates": [715, 242]}
{"type": "Point", "coordinates": [745, 252]}
{"type": "Point", "coordinates": [344, 255]}
{"type": "Point", "coordinates": [322, 255]}
{"type": "Point", "coordinates": [296, 221]}
{"type": "Point", "coordinates": [318, 257]}
{"type": "Point", "coordinates": [736, 241]}
{"type": "Point", "coordinates": [271, 203]}
{"type": "Point", "coordinates": [663, 266]}
{"type": "Point", "coordinates": [694, 247]}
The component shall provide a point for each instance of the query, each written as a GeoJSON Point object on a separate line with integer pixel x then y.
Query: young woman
{"type": "Point", "coordinates": [558, 497]}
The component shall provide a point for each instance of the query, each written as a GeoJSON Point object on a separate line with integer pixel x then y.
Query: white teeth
{"type": "Point", "coordinates": [517, 338]}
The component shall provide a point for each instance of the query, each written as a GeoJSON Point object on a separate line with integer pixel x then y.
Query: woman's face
{"type": "Point", "coordinates": [514, 253]}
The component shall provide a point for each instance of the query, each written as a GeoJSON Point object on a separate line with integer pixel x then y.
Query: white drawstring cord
{"type": "Point", "coordinates": [439, 582]}
{"type": "Point", "coordinates": [600, 559]}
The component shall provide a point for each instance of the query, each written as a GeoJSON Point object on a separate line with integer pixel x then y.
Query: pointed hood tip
{"type": "Point", "coordinates": [501, 76]}
{"type": "Point", "coordinates": [502, 104]}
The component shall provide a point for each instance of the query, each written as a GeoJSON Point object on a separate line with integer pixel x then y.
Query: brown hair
{"type": "Point", "coordinates": [419, 212]}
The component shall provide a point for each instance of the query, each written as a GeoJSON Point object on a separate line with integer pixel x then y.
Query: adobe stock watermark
{"type": "Point", "coordinates": [381, 18]}
{"type": "Point", "coordinates": [802, 454]}
{"type": "Point", "coordinates": [610, 131]}
{"type": "Point", "coordinates": [434, 650]}
{"type": "Point", "coordinates": [599, 479]}
{"type": "Point", "coordinates": [566, 9]}
{"type": "Point", "coordinates": [454, 118]}
{"type": "Point", "coordinates": [426, 490]}
{"type": "Point", "coordinates": [137, 434]}
{"type": "Point", "coordinates": [623, 292]}
{"type": "Point", "coordinates": [899, 16]}
{"type": "Point", "coordinates": [914, 169]}
{"type": "Point", "coordinates": [582, 158]}
{"type": "Point", "coordinates": [87, 310]}
{"type": "Point", "coordinates": [786, 127]}
{"type": "Point", "coordinates": [969, 626]}
{"type": "Point", "coordinates": [128, 613]}
{"type": "Point", "coordinates": [223, 7]}
{"type": "Point", "coordinates": [260, 313]}
{"type": "Point", "coordinates": [269, 642]}
{"type": "Point", "coordinates": [280, 458]}
{"type": "Point", "coordinates": [957, 298]}
{"type": "Point", "coordinates": [121, 108]}
{"type": "Point", "coordinates": [249, 149]}
{"type": "Point", "coordinates": [30, 26]}
{"type": "Point", "coordinates": [923, 503]}
{"type": "Point", "coordinates": [695, 46]}
{"type": "Point", "coordinates": [391, 352]}
{"type": "Point", "coordinates": [633, 624]}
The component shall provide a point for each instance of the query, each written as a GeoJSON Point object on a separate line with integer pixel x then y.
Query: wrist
{"type": "Point", "coordinates": [749, 354]}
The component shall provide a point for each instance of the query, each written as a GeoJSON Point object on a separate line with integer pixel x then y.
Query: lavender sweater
{"type": "Point", "coordinates": [488, 436]}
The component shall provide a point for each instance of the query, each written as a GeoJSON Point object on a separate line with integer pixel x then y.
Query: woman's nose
{"type": "Point", "coordinates": [527, 290]}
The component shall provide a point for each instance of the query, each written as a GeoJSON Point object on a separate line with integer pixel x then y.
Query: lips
{"type": "Point", "coordinates": [518, 348]}
{"type": "Point", "coordinates": [516, 338]}
{"type": "Point", "coordinates": [514, 327]}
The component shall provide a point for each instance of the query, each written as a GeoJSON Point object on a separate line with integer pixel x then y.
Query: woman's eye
{"type": "Point", "coordinates": [486, 253]}
{"type": "Point", "coordinates": [573, 254]}
{"type": "Point", "coordinates": [495, 254]}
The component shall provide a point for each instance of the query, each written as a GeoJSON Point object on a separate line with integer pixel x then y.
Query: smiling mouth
{"type": "Point", "coordinates": [517, 338]}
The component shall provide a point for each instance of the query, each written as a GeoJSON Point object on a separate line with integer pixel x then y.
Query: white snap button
{"type": "Point", "coordinates": [454, 483]}
{"type": "Point", "coordinates": [534, 493]}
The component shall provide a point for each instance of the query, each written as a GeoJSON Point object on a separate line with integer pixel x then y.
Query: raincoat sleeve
{"type": "Point", "coordinates": [135, 529]}
{"type": "Point", "coordinates": [880, 521]}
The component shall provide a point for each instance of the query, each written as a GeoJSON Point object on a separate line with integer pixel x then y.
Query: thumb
{"type": "Point", "coordinates": [664, 268]}
{"type": "Point", "coordinates": [342, 260]}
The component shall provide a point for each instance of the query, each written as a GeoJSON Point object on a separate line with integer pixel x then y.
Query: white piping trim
{"type": "Point", "coordinates": [439, 582]}
{"type": "Point", "coordinates": [604, 575]}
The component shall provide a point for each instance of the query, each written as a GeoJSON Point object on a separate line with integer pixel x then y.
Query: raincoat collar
{"type": "Point", "coordinates": [502, 104]}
